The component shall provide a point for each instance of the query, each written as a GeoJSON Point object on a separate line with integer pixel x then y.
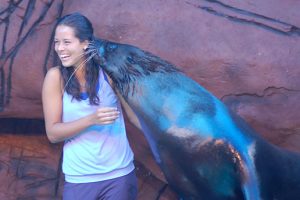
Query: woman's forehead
{"type": "Point", "coordinates": [63, 31]}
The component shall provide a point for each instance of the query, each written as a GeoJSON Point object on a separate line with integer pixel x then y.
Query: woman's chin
{"type": "Point", "coordinates": [66, 64]}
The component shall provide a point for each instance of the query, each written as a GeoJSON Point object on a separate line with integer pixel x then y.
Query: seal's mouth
{"type": "Point", "coordinates": [97, 45]}
{"type": "Point", "coordinates": [97, 57]}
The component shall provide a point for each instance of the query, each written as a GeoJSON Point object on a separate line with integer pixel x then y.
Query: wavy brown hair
{"type": "Point", "coordinates": [83, 30]}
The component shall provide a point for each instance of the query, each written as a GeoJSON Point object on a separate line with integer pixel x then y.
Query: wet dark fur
{"type": "Point", "coordinates": [197, 164]}
{"type": "Point", "coordinates": [131, 65]}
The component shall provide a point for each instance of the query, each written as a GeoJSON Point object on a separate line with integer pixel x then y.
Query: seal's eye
{"type": "Point", "coordinates": [111, 47]}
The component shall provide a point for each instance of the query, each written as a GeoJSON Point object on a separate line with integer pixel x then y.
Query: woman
{"type": "Point", "coordinates": [81, 109]}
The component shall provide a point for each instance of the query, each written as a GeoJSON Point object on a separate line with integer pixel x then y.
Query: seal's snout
{"type": "Point", "coordinates": [97, 46]}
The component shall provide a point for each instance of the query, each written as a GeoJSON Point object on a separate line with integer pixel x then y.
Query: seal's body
{"type": "Point", "coordinates": [204, 150]}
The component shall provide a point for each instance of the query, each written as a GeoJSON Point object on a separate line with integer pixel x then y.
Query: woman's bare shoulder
{"type": "Point", "coordinates": [53, 78]}
{"type": "Point", "coordinates": [54, 72]}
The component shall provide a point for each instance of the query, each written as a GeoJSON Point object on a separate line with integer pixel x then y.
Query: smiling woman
{"type": "Point", "coordinates": [81, 109]}
{"type": "Point", "coordinates": [69, 48]}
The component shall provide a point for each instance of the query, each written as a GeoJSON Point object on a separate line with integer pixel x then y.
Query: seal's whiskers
{"type": "Point", "coordinates": [80, 66]}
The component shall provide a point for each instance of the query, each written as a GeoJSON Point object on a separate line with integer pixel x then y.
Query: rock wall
{"type": "Point", "coordinates": [246, 53]}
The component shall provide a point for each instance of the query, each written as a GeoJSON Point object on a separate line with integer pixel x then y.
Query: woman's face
{"type": "Point", "coordinates": [68, 47]}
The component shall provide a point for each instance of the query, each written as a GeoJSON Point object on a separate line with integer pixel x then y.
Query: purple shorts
{"type": "Point", "coordinates": [121, 188]}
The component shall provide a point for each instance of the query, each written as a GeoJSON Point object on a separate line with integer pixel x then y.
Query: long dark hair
{"type": "Point", "coordinates": [83, 30]}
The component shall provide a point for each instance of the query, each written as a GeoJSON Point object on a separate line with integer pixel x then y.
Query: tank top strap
{"type": "Point", "coordinates": [105, 76]}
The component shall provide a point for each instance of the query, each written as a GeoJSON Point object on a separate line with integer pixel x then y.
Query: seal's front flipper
{"type": "Point", "coordinates": [212, 172]}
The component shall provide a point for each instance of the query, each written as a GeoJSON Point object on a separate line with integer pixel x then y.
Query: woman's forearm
{"type": "Point", "coordinates": [59, 131]}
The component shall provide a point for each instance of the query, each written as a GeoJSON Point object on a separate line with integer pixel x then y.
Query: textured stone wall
{"type": "Point", "coordinates": [245, 52]}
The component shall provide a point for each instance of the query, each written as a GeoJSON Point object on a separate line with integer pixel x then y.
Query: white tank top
{"type": "Point", "coordinates": [100, 152]}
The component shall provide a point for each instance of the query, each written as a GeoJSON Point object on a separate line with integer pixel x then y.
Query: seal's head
{"type": "Point", "coordinates": [125, 64]}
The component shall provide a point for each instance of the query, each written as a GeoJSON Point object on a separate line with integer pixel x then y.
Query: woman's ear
{"type": "Point", "coordinates": [85, 44]}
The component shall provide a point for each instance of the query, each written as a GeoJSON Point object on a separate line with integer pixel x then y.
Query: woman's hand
{"type": "Point", "coordinates": [105, 115]}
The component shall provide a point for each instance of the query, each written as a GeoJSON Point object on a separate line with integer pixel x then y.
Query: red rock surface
{"type": "Point", "coordinates": [245, 52]}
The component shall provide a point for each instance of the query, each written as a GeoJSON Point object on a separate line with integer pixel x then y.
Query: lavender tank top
{"type": "Point", "coordinates": [100, 152]}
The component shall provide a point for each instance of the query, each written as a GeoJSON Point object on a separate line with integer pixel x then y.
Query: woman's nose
{"type": "Point", "coordinates": [60, 47]}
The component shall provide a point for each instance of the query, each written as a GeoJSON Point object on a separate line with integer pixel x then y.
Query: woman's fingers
{"type": "Point", "coordinates": [107, 115]}
{"type": "Point", "coordinates": [107, 109]}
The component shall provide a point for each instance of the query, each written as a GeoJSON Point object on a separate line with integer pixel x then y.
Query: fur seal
{"type": "Point", "coordinates": [204, 150]}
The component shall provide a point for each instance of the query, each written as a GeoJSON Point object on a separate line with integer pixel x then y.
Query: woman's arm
{"type": "Point", "coordinates": [52, 106]}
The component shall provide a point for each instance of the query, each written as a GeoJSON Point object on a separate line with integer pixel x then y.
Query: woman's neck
{"type": "Point", "coordinates": [80, 75]}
